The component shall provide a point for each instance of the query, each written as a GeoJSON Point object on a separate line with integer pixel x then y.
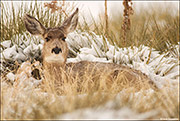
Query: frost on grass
{"type": "Point", "coordinates": [21, 48]}
{"type": "Point", "coordinates": [161, 68]}
{"type": "Point", "coordinates": [91, 47]}
{"type": "Point", "coordinates": [104, 113]}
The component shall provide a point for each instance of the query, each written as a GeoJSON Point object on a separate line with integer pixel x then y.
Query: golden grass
{"type": "Point", "coordinates": [24, 101]}
{"type": "Point", "coordinates": [153, 27]}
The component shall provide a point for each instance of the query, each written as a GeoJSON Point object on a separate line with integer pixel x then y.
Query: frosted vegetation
{"type": "Point", "coordinates": [22, 97]}
{"type": "Point", "coordinates": [92, 47]}
{"type": "Point", "coordinates": [161, 68]}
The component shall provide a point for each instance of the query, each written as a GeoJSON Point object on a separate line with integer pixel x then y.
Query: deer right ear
{"type": "Point", "coordinates": [33, 25]}
{"type": "Point", "coordinates": [71, 22]}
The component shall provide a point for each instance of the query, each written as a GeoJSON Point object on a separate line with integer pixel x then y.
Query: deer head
{"type": "Point", "coordinates": [55, 49]}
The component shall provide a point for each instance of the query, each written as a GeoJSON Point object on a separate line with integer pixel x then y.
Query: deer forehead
{"type": "Point", "coordinates": [55, 33]}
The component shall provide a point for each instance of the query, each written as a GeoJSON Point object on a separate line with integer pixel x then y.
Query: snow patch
{"type": "Point", "coordinates": [11, 76]}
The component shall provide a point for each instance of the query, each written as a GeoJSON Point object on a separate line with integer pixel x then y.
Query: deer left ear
{"type": "Point", "coordinates": [33, 25]}
{"type": "Point", "coordinates": [71, 22]}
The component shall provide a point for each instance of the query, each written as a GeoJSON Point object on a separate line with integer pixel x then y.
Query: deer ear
{"type": "Point", "coordinates": [71, 22]}
{"type": "Point", "coordinates": [33, 25]}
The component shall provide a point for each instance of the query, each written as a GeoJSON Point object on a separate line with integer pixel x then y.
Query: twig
{"type": "Point", "coordinates": [106, 19]}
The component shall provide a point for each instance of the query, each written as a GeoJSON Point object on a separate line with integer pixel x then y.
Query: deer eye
{"type": "Point", "coordinates": [64, 38]}
{"type": "Point", "coordinates": [47, 39]}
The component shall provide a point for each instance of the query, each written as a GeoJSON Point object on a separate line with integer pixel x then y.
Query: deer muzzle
{"type": "Point", "coordinates": [56, 50]}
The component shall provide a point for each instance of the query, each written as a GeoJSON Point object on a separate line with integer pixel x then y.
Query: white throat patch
{"type": "Point", "coordinates": [55, 58]}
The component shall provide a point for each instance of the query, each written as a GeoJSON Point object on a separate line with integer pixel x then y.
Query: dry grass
{"type": "Point", "coordinates": [33, 104]}
{"type": "Point", "coordinates": [153, 27]}
{"type": "Point", "coordinates": [23, 100]}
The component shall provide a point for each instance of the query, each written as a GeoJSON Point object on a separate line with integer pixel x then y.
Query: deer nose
{"type": "Point", "coordinates": [56, 50]}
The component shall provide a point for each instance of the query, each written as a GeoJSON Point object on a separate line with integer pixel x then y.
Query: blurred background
{"type": "Point", "coordinates": [151, 23]}
{"type": "Point", "coordinates": [115, 7]}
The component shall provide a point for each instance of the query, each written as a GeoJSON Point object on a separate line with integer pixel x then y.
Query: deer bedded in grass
{"type": "Point", "coordinates": [52, 99]}
{"type": "Point", "coordinates": [29, 102]}
{"type": "Point", "coordinates": [55, 52]}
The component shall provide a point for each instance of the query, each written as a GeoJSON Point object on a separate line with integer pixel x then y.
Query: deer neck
{"type": "Point", "coordinates": [53, 66]}
{"type": "Point", "coordinates": [54, 71]}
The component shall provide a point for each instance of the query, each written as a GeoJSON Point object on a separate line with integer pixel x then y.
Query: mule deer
{"type": "Point", "coordinates": [55, 52]}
